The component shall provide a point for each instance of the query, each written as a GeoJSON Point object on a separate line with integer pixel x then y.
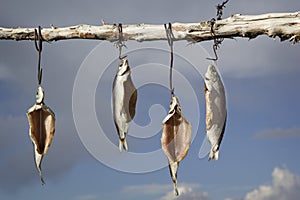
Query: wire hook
{"type": "Point", "coordinates": [120, 43]}
{"type": "Point", "coordinates": [217, 41]}
{"type": "Point", "coordinates": [170, 37]}
{"type": "Point", "coordinates": [38, 37]}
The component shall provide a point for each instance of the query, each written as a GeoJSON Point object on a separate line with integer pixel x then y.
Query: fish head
{"type": "Point", "coordinates": [123, 67]}
{"type": "Point", "coordinates": [39, 95]}
{"type": "Point", "coordinates": [175, 106]}
{"type": "Point", "coordinates": [211, 74]}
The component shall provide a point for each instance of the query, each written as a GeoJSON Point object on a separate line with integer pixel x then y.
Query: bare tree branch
{"type": "Point", "coordinates": [284, 25]}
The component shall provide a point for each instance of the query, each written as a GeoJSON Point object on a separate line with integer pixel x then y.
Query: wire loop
{"type": "Point", "coordinates": [217, 41]}
{"type": "Point", "coordinates": [39, 46]}
{"type": "Point", "coordinates": [120, 43]}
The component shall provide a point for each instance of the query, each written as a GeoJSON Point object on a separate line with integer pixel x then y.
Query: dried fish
{"type": "Point", "coordinates": [42, 127]}
{"type": "Point", "coordinates": [176, 138]}
{"type": "Point", "coordinates": [124, 101]}
{"type": "Point", "coordinates": [216, 113]}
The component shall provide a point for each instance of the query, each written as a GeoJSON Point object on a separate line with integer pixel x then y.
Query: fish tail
{"type": "Point", "coordinates": [214, 154]}
{"type": "Point", "coordinates": [176, 190]}
{"type": "Point", "coordinates": [173, 170]}
{"type": "Point", "coordinates": [38, 161]}
{"type": "Point", "coordinates": [123, 144]}
{"type": "Point", "coordinates": [42, 179]}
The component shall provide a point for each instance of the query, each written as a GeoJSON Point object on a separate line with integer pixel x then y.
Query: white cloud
{"type": "Point", "coordinates": [285, 186]}
{"type": "Point", "coordinates": [189, 191]}
{"type": "Point", "coordinates": [278, 133]}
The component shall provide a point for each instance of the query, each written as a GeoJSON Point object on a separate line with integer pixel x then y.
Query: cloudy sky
{"type": "Point", "coordinates": [258, 156]}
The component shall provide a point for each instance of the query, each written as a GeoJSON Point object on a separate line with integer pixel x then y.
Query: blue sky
{"type": "Point", "coordinates": [258, 156]}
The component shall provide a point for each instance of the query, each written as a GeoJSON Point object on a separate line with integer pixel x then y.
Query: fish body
{"type": "Point", "coordinates": [41, 128]}
{"type": "Point", "coordinates": [124, 101]}
{"type": "Point", "coordinates": [216, 113]}
{"type": "Point", "coordinates": [176, 138]}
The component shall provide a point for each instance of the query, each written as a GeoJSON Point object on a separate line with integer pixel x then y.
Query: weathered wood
{"type": "Point", "coordinates": [284, 25]}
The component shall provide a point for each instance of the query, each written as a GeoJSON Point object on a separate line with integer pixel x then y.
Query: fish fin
{"type": "Point", "coordinates": [173, 170]}
{"type": "Point", "coordinates": [204, 149]}
{"type": "Point", "coordinates": [123, 144]}
{"type": "Point", "coordinates": [120, 145]}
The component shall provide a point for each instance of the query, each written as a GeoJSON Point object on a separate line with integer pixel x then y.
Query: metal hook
{"type": "Point", "coordinates": [39, 47]}
{"type": "Point", "coordinates": [170, 37]}
{"type": "Point", "coordinates": [216, 45]}
{"type": "Point", "coordinates": [120, 43]}
{"type": "Point", "coordinates": [217, 41]}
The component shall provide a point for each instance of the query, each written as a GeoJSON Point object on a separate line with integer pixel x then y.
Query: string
{"type": "Point", "coordinates": [170, 37]}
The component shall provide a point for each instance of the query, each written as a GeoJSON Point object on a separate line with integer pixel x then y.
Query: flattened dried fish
{"type": "Point", "coordinates": [176, 138]}
{"type": "Point", "coordinates": [42, 127]}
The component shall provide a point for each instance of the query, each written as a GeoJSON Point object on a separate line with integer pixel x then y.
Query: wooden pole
{"type": "Point", "coordinates": [286, 26]}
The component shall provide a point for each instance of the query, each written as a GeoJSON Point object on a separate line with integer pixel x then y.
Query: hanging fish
{"type": "Point", "coordinates": [124, 101]}
{"type": "Point", "coordinates": [176, 138]}
{"type": "Point", "coordinates": [216, 113]}
{"type": "Point", "coordinates": [42, 127]}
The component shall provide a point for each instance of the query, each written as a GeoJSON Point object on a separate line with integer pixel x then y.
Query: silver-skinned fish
{"type": "Point", "coordinates": [42, 127]}
{"type": "Point", "coordinates": [216, 113]}
{"type": "Point", "coordinates": [176, 138]}
{"type": "Point", "coordinates": [124, 101]}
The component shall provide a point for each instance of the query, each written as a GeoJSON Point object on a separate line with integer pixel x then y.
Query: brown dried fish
{"type": "Point", "coordinates": [176, 138]}
{"type": "Point", "coordinates": [42, 127]}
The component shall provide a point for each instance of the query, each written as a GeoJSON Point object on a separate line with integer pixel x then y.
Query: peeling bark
{"type": "Point", "coordinates": [286, 26]}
